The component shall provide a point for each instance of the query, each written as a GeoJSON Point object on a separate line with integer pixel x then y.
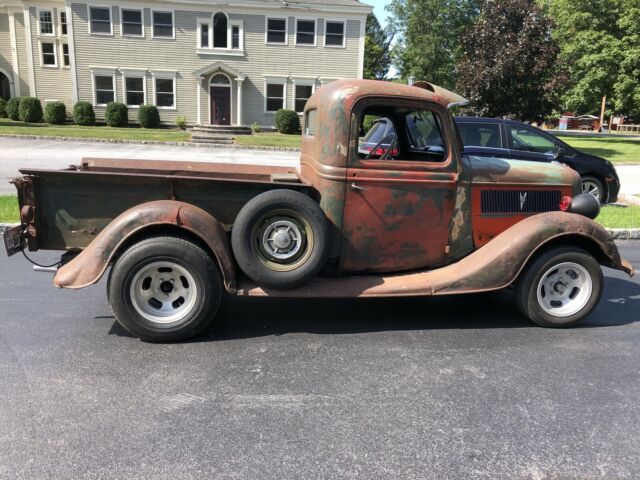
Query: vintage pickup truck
{"type": "Point", "coordinates": [417, 218]}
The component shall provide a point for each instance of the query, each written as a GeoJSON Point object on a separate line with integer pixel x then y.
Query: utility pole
{"type": "Point", "coordinates": [604, 100]}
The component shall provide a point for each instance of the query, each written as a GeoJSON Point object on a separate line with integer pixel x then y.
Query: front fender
{"type": "Point", "coordinates": [498, 263]}
{"type": "Point", "coordinates": [89, 266]}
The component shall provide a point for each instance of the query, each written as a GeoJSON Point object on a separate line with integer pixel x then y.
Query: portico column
{"type": "Point", "coordinates": [199, 99]}
{"type": "Point", "coordinates": [239, 82]}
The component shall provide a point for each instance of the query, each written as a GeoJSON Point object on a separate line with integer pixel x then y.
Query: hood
{"type": "Point", "coordinates": [496, 170]}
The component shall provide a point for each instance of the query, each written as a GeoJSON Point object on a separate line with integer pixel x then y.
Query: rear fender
{"type": "Point", "coordinates": [89, 266]}
{"type": "Point", "coordinates": [498, 263]}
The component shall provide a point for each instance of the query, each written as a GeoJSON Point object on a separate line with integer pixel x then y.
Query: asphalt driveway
{"type": "Point", "coordinates": [459, 387]}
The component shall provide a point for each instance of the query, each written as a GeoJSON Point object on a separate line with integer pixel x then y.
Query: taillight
{"type": "Point", "coordinates": [565, 203]}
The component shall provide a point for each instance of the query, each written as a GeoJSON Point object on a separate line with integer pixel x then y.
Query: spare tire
{"type": "Point", "coordinates": [280, 239]}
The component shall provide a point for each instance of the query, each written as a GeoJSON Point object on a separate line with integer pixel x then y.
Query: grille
{"type": "Point", "coordinates": [520, 201]}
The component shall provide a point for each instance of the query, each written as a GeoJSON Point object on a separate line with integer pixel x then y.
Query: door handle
{"type": "Point", "coordinates": [354, 186]}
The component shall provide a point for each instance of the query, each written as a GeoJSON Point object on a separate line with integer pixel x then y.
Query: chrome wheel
{"type": "Point", "coordinates": [592, 188]}
{"type": "Point", "coordinates": [282, 239]}
{"type": "Point", "coordinates": [564, 289]}
{"type": "Point", "coordinates": [163, 292]}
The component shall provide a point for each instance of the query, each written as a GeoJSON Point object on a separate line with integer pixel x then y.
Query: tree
{"type": "Point", "coordinates": [377, 49]}
{"type": "Point", "coordinates": [430, 33]}
{"type": "Point", "coordinates": [627, 87]}
{"type": "Point", "coordinates": [508, 61]}
{"type": "Point", "coordinates": [590, 38]}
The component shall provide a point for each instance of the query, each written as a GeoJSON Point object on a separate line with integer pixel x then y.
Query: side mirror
{"type": "Point", "coordinates": [560, 154]}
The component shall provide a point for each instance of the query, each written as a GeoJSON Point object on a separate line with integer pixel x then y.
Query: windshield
{"type": "Point", "coordinates": [376, 133]}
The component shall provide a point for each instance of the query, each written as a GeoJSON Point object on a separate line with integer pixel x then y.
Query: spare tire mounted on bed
{"type": "Point", "coordinates": [281, 239]}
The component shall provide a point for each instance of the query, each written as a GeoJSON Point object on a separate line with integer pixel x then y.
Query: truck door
{"type": "Point", "coordinates": [400, 196]}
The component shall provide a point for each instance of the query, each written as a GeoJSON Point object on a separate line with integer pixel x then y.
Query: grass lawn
{"type": "Point", "coordinates": [616, 150]}
{"type": "Point", "coordinates": [9, 209]}
{"type": "Point", "coordinates": [270, 140]}
{"type": "Point", "coordinates": [11, 127]}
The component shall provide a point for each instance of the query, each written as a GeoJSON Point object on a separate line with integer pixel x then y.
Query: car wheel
{"type": "Point", "coordinates": [560, 288]}
{"type": "Point", "coordinates": [280, 239]}
{"type": "Point", "coordinates": [594, 187]}
{"type": "Point", "coordinates": [165, 289]}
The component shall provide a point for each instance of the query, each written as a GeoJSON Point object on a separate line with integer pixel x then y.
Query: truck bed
{"type": "Point", "coordinates": [73, 205]}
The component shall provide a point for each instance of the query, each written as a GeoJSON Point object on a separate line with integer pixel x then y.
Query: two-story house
{"type": "Point", "coordinates": [211, 61]}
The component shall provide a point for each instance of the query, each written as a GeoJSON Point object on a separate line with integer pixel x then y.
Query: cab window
{"type": "Point", "coordinates": [528, 140]}
{"type": "Point", "coordinates": [485, 135]}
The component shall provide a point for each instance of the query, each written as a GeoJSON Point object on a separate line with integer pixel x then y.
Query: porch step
{"type": "Point", "coordinates": [205, 136]}
{"type": "Point", "coordinates": [213, 141]}
{"type": "Point", "coordinates": [223, 129]}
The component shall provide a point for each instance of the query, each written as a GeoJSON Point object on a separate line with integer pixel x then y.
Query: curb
{"type": "Point", "coordinates": [616, 233]}
{"type": "Point", "coordinates": [150, 142]}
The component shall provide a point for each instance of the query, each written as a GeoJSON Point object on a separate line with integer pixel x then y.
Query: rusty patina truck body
{"type": "Point", "coordinates": [422, 218]}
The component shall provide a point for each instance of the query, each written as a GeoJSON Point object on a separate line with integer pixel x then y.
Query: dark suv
{"type": "Point", "coordinates": [493, 137]}
{"type": "Point", "coordinates": [510, 139]}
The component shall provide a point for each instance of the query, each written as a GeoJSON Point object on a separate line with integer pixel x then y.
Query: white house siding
{"type": "Point", "coordinates": [52, 83]}
{"type": "Point", "coordinates": [21, 46]}
{"type": "Point", "coordinates": [6, 66]}
{"type": "Point", "coordinates": [116, 52]}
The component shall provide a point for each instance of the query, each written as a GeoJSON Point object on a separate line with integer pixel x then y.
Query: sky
{"type": "Point", "coordinates": [379, 10]}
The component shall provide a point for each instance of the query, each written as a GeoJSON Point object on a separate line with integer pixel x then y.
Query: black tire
{"type": "Point", "coordinates": [178, 275]}
{"type": "Point", "coordinates": [584, 299]}
{"type": "Point", "coordinates": [589, 180]}
{"type": "Point", "coordinates": [282, 216]}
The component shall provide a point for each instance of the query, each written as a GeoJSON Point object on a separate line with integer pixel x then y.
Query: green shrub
{"type": "Point", "coordinates": [83, 114]}
{"type": "Point", "coordinates": [148, 116]}
{"type": "Point", "coordinates": [116, 114]}
{"type": "Point", "coordinates": [13, 108]}
{"type": "Point", "coordinates": [30, 110]}
{"type": "Point", "coordinates": [287, 121]}
{"type": "Point", "coordinates": [255, 128]}
{"type": "Point", "coordinates": [55, 113]}
{"type": "Point", "coordinates": [181, 122]}
{"type": "Point", "coordinates": [3, 108]}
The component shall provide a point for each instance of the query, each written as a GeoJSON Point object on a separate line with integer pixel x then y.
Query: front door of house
{"type": "Point", "coordinates": [220, 105]}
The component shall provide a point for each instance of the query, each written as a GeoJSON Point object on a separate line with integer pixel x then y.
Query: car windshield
{"type": "Point", "coordinates": [528, 140]}
{"type": "Point", "coordinates": [376, 132]}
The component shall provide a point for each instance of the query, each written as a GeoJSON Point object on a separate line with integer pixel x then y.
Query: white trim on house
{"type": "Point", "coordinates": [66, 21]}
{"type": "Point", "coordinates": [164, 75]}
{"type": "Point", "coordinates": [104, 7]}
{"type": "Point", "coordinates": [315, 32]}
{"type": "Point", "coordinates": [102, 72]}
{"type": "Point", "coordinates": [173, 23]}
{"type": "Point", "coordinates": [72, 54]}
{"type": "Point", "coordinates": [344, 32]}
{"type": "Point", "coordinates": [361, 46]}
{"type": "Point", "coordinates": [306, 82]}
{"type": "Point", "coordinates": [39, 25]}
{"type": "Point", "coordinates": [14, 80]}
{"type": "Point", "coordinates": [131, 8]}
{"type": "Point", "coordinates": [62, 65]}
{"type": "Point", "coordinates": [266, 29]}
{"type": "Point", "coordinates": [55, 52]}
{"type": "Point", "coordinates": [210, 49]}
{"type": "Point", "coordinates": [32, 72]}
{"type": "Point", "coordinates": [221, 85]}
{"type": "Point", "coordinates": [275, 80]}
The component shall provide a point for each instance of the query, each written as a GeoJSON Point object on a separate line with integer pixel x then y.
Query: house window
{"type": "Point", "coordinates": [63, 22]}
{"type": "Point", "coordinates": [46, 22]}
{"type": "Point", "coordinates": [277, 30]}
{"type": "Point", "coordinates": [134, 91]}
{"type": "Point", "coordinates": [305, 32]}
{"type": "Point", "coordinates": [219, 30]}
{"type": "Point", "coordinates": [65, 54]}
{"type": "Point", "coordinates": [275, 97]}
{"type": "Point", "coordinates": [334, 34]}
{"type": "Point", "coordinates": [204, 35]}
{"type": "Point", "coordinates": [303, 92]}
{"type": "Point", "coordinates": [100, 20]}
{"type": "Point", "coordinates": [163, 24]}
{"type": "Point", "coordinates": [165, 92]}
{"type": "Point", "coordinates": [48, 54]}
{"type": "Point", "coordinates": [235, 37]}
{"type": "Point", "coordinates": [132, 23]}
{"type": "Point", "coordinates": [105, 89]}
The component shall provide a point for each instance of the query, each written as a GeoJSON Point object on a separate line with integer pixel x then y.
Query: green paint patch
{"type": "Point", "coordinates": [619, 217]}
{"type": "Point", "coordinates": [9, 212]}
{"type": "Point", "coordinates": [11, 127]}
{"type": "Point", "coordinates": [270, 140]}
{"type": "Point", "coordinates": [614, 149]}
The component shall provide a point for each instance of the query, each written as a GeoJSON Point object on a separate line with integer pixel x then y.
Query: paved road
{"type": "Point", "coordinates": [397, 389]}
{"type": "Point", "coordinates": [16, 153]}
